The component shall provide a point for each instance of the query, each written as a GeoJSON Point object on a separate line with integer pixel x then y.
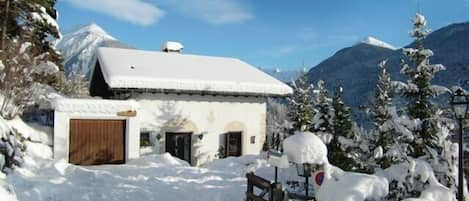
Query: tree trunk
{"type": "Point", "coordinates": [4, 26]}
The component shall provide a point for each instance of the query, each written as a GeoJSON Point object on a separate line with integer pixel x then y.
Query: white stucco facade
{"type": "Point", "coordinates": [212, 116]}
{"type": "Point", "coordinates": [91, 109]}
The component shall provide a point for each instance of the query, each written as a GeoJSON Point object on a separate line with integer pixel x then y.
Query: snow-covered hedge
{"type": "Point", "coordinates": [11, 146]}
{"type": "Point", "coordinates": [9, 154]}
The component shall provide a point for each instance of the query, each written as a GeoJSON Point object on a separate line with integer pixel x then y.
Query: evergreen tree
{"type": "Point", "coordinates": [342, 123]}
{"type": "Point", "coordinates": [391, 133]}
{"type": "Point", "coordinates": [419, 91]}
{"type": "Point", "coordinates": [381, 114]}
{"type": "Point", "coordinates": [32, 21]}
{"type": "Point", "coordinates": [28, 63]}
{"type": "Point", "coordinates": [343, 150]}
{"type": "Point", "coordinates": [430, 137]}
{"type": "Point", "coordinates": [324, 113]}
{"type": "Point", "coordinates": [383, 97]}
{"type": "Point", "coordinates": [29, 59]}
{"type": "Point", "coordinates": [300, 105]}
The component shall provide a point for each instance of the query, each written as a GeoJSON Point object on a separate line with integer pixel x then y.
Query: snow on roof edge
{"type": "Point", "coordinates": [197, 85]}
{"type": "Point", "coordinates": [123, 82]}
{"type": "Point", "coordinates": [93, 105]}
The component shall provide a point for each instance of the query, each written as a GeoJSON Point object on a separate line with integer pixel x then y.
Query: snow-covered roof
{"type": "Point", "coordinates": [93, 105]}
{"type": "Point", "coordinates": [138, 69]}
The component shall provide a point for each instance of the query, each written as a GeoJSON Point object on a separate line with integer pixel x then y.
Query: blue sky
{"type": "Point", "coordinates": [264, 33]}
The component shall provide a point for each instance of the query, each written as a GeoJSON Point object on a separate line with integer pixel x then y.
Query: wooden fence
{"type": "Point", "coordinates": [273, 191]}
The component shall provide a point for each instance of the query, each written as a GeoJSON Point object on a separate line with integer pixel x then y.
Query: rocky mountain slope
{"type": "Point", "coordinates": [356, 69]}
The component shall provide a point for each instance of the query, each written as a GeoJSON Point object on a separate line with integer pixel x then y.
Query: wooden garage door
{"type": "Point", "coordinates": [94, 142]}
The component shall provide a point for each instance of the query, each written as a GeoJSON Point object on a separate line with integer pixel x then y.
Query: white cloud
{"type": "Point", "coordinates": [212, 11]}
{"type": "Point", "coordinates": [133, 11]}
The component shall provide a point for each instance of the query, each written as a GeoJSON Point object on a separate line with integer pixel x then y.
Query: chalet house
{"type": "Point", "coordinates": [197, 108]}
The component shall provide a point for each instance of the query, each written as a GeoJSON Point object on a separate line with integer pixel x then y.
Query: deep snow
{"type": "Point", "coordinates": [154, 177]}
{"type": "Point", "coordinates": [163, 177]}
{"type": "Point", "coordinates": [151, 177]}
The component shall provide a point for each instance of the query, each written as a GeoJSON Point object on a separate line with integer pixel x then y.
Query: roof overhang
{"type": "Point", "coordinates": [196, 92]}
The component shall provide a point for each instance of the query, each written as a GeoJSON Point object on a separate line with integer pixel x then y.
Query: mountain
{"type": "Point", "coordinates": [78, 47]}
{"type": "Point", "coordinates": [355, 68]}
{"type": "Point", "coordinates": [283, 75]}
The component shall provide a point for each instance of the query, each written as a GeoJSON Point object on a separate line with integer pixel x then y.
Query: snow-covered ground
{"type": "Point", "coordinates": [151, 177]}
{"type": "Point", "coordinates": [163, 177]}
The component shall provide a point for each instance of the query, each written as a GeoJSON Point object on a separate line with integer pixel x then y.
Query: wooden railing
{"type": "Point", "coordinates": [273, 191]}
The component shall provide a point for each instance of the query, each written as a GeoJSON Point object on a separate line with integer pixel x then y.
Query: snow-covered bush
{"type": "Point", "coordinates": [11, 147]}
{"type": "Point", "coordinates": [351, 186]}
{"type": "Point", "coordinates": [6, 191]}
{"type": "Point", "coordinates": [74, 85]}
{"type": "Point", "coordinates": [307, 147]}
{"type": "Point", "coordinates": [415, 179]}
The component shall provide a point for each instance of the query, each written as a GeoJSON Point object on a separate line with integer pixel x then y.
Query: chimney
{"type": "Point", "coordinates": [172, 47]}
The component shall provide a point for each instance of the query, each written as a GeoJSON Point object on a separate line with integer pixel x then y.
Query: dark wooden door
{"type": "Point", "coordinates": [233, 144]}
{"type": "Point", "coordinates": [94, 142]}
{"type": "Point", "coordinates": [179, 145]}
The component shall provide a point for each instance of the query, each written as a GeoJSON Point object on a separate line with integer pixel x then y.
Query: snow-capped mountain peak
{"type": "Point", "coordinates": [78, 47]}
{"type": "Point", "coordinates": [94, 29]}
{"type": "Point", "coordinates": [376, 42]}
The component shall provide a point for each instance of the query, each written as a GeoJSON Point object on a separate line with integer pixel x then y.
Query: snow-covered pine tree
{"type": "Point", "coordinates": [343, 151]}
{"type": "Point", "coordinates": [324, 113]}
{"type": "Point", "coordinates": [35, 22]}
{"type": "Point", "coordinates": [431, 136]}
{"type": "Point", "coordinates": [300, 104]}
{"type": "Point", "coordinates": [391, 133]}
{"type": "Point", "coordinates": [28, 60]}
{"type": "Point", "coordinates": [26, 50]}
{"type": "Point", "coordinates": [32, 22]}
{"type": "Point", "coordinates": [418, 90]}
{"type": "Point", "coordinates": [342, 123]}
{"type": "Point", "coordinates": [381, 116]}
{"type": "Point", "coordinates": [383, 97]}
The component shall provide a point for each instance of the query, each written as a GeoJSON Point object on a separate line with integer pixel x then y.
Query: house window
{"type": "Point", "coordinates": [233, 144]}
{"type": "Point", "coordinates": [179, 145]}
{"type": "Point", "coordinates": [145, 139]}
